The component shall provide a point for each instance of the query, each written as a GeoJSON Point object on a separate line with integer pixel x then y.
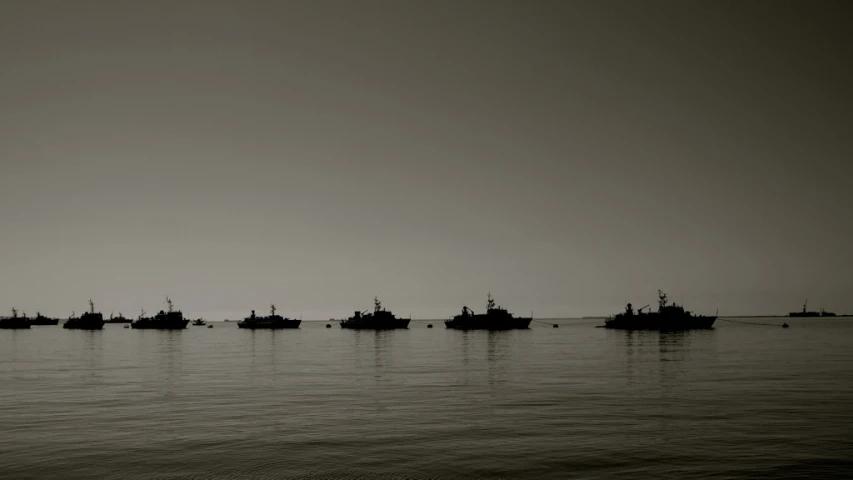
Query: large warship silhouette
{"type": "Point", "coordinates": [90, 320]}
{"type": "Point", "coordinates": [806, 313]}
{"type": "Point", "coordinates": [667, 318]}
{"type": "Point", "coordinates": [168, 320]}
{"type": "Point", "coordinates": [380, 319]}
{"type": "Point", "coordinates": [272, 321]}
{"type": "Point", "coordinates": [41, 320]}
{"type": "Point", "coordinates": [14, 322]}
{"type": "Point", "coordinates": [495, 318]}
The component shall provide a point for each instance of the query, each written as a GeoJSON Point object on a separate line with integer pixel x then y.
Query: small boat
{"type": "Point", "coordinates": [199, 322]}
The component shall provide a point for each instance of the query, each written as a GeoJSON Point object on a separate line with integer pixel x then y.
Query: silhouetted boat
{"type": "Point", "coordinates": [169, 320]}
{"type": "Point", "coordinates": [495, 318]}
{"type": "Point", "coordinates": [199, 322]}
{"type": "Point", "coordinates": [119, 319]}
{"type": "Point", "coordinates": [824, 313]}
{"type": "Point", "coordinates": [271, 322]}
{"type": "Point", "coordinates": [90, 320]}
{"type": "Point", "coordinates": [14, 322]}
{"type": "Point", "coordinates": [380, 319]}
{"type": "Point", "coordinates": [667, 318]}
{"type": "Point", "coordinates": [42, 320]}
{"type": "Point", "coordinates": [804, 313]}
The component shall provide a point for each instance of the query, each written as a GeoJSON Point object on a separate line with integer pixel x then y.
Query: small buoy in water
{"type": "Point", "coordinates": [429, 325]}
{"type": "Point", "coordinates": [784, 325]}
{"type": "Point", "coordinates": [556, 326]}
{"type": "Point", "coordinates": [127, 326]}
{"type": "Point", "coordinates": [328, 326]}
{"type": "Point", "coordinates": [210, 326]}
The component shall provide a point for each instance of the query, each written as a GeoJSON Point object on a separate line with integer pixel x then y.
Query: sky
{"type": "Point", "coordinates": [568, 157]}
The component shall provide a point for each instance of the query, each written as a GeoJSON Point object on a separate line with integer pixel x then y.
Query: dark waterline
{"type": "Point", "coordinates": [739, 401]}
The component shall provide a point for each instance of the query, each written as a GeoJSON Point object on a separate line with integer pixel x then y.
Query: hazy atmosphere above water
{"type": "Point", "coordinates": [569, 157]}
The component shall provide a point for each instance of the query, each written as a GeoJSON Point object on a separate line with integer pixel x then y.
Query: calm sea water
{"type": "Point", "coordinates": [741, 401]}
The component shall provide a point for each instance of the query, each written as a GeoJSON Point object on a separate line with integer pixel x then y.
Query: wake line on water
{"type": "Point", "coordinates": [570, 322]}
{"type": "Point", "coordinates": [753, 323]}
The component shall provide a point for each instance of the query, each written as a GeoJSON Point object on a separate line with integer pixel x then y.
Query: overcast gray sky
{"type": "Point", "coordinates": [569, 157]}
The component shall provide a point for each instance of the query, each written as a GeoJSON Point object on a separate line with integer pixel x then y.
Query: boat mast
{"type": "Point", "coordinates": [14, 312]}
{"type": "Point", "coordinates": [169, 302]}
{"type": "Point", "coordinates": [272, 309]}
{"type": "Point", "coordinates": [91, 307]}
{"type": "Point", "coordinates": [490, 304]}
{"type": "Point", "coordinates": [376, 304]}
{"type": "Point", "coordinates": [804, 305]}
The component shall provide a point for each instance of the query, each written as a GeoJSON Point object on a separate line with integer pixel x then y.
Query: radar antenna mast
{"type": "Point", "coordinates": [661, 299]}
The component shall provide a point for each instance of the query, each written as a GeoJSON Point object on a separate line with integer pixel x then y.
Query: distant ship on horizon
{"type": "Point", "coordinates": [41, 320]}
{"type": "Point", "coordinates": [270, 322]}
{"type": "Point", "coordinates": [806, 313]}
{"type": "Point", "coordinates": [380, 319]}
{"type": "Point", "coordinates": [495, 318]}
{"type": "Point", "coordinates": [119, 319]}
{"type": "Point", "coordinates": [669, 317]}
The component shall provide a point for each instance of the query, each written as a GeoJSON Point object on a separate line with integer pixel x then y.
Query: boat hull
{"type": "Point", "coordinates": [655, 322]}
{"type": "Point", "coordinates": [160, 325]}
{"type": "Point", "coordinates": [44, 322]}
{"type": "Point", "coordinates": [71, 325]}
{"type": "Point", "coordinates": [482, 322]}
{"type": "Point", "coordinates": [14, 323]}
{"type": "Point", "coordinates": [281, 325]}
{"type": "Point", "coordinates": [384, 324]}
